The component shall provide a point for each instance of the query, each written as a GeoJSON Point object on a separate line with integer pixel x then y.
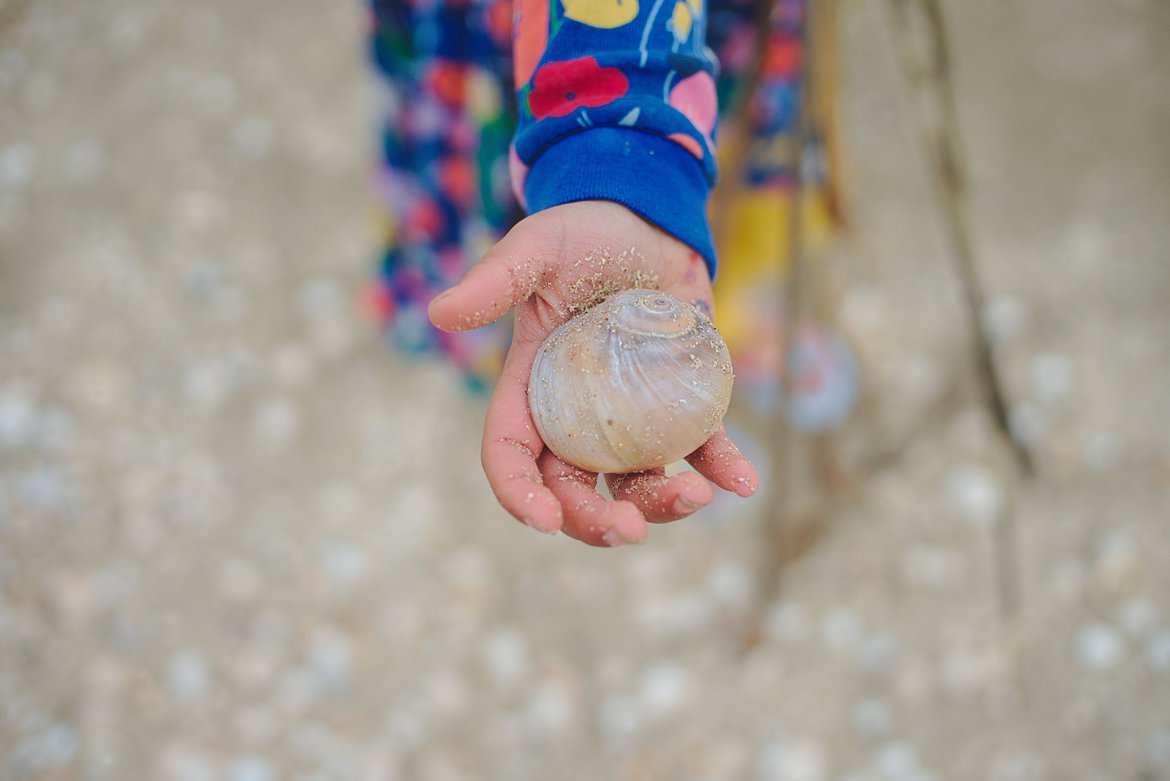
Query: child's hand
{"type": "Point", "coordinates": [549, 266]}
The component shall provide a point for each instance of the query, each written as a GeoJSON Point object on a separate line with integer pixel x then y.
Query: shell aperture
{"type": "Point", "coordinates": [636, 382]}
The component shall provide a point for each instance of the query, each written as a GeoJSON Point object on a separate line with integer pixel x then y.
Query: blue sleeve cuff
{"type": "Point", "coordinates": [654, 177]}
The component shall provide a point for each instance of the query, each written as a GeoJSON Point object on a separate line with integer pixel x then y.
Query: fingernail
{"type": "Point", "coordinates": [613, 538]}
{"type": "Point", "coordinates": [631, 530]}
{"type": "Point", "coordinates": [531, 523]}
{"type": "Point", "coordinates": [684, 506]}
{"type": "Point", "coordinates": [745, 487]}
{"type": "Point", "coordinates": [444, 294]}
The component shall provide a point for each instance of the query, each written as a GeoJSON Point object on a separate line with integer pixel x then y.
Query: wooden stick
{"type": "Point", "coordinates": [778, 520]}
{"type": "Point", "coordinates": [929, 76]}
{"type": "Point", "coordinates": [927, 68]}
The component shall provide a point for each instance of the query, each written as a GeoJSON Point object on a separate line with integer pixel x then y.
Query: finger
{"type": "Point", "coordinates": [511, 447]}
{"type": "Point", "coordinates": [509, 273]}
{"type": "Point", "coordinates": [720, 461]}
{"type": "Point", "coordinates": [589, 517]}
{"type": "Point", "coordinates": [661, 498]}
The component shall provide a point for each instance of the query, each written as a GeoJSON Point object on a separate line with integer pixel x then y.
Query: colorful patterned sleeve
{"type": "Point", "coordinates": [617, 102]}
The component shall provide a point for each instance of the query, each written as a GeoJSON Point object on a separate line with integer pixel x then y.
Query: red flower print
{"type": "Point", "coordinates": [782, 60]}
{"type": "Point", "coordinates": [423, 222]}
{"type": "Point", "coordinates": [560, 88]}
{"type": "Point", "coordinates": [499, 21]}
{"type": "Point", "coordinates": [378, 302]}
{"type": "Point", "coordinates": [457, 180]}
{"type": "Point", "coordinates": [447, 80]}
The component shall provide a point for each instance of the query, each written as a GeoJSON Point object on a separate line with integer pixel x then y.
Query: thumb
{"type": "Point", "coordinates": [508, 274]}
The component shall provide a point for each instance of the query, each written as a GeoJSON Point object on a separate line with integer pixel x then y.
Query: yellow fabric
{"type": "Point", "coordinates": [755, 249]}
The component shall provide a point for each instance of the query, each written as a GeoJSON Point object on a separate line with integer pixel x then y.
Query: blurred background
{"type": "Point", "coordinates": [241, 539]}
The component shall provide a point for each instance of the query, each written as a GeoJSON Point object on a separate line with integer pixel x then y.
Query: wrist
{"type": "Point", "coordinates": [653, 177]}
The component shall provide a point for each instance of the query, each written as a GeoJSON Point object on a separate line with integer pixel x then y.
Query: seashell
{"type": "Point", "coordinates": [636, 382]}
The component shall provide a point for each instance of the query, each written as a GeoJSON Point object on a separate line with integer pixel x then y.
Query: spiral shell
{"type": "Point", "coordinates": [636, 382]}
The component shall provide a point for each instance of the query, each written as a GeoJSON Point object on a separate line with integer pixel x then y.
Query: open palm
{"type": "Point", "coordinates": [550, 267]}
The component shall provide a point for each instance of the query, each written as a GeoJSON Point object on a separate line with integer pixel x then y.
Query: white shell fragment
{"type": "Point", "coordinates": [636, 382]}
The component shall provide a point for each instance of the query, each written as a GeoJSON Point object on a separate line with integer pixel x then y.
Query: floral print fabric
{"type": "Point", "coordinates": [448, 119]}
